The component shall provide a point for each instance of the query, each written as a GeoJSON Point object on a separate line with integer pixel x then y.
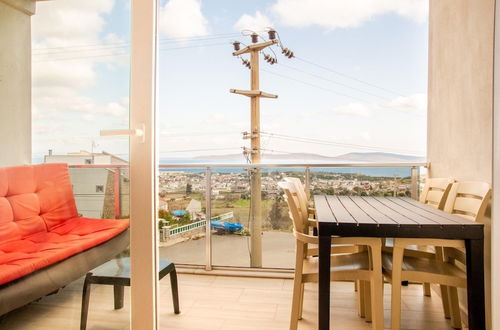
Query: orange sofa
{"type": "Point", "coordinates": [44, 244]}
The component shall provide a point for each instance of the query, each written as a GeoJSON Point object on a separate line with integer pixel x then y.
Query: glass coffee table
{"type": "Point", "coordinates": [116, 272]}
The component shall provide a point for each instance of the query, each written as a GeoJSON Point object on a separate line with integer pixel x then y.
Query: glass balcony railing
{"type": "Point", "coordinates": [204, 210]}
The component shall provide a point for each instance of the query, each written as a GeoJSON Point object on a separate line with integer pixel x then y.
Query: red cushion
{"type": "Point", "coordinates": [39, 223]}
{"type": "Point", "coordinates": [24, 256]}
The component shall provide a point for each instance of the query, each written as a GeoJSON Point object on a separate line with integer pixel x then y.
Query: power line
{"type": "Point", "coordinates": [199, 134]}
{"type": "Point", "coordinates": [348, 76]}
{"type": "Point", "coordinates": [110, 47]}
{"type": "Point", "coordinates": [333, 81]}
{"type": "Point", "coordinates": [161, 40]}
{"type": "Point", "coordinates": [338, 144]}
{"type": "Point", "coordinates": [195, 150]}
{"type": "Point", "coordinates": [335, 92]}
{"type": "Point", "coordinates": [125, 53]}
{"type": "Point", "coordinates": [314, 85]}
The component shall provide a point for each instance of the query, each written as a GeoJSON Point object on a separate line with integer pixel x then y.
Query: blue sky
{"type": "Point", "coordinates": [366, 91]}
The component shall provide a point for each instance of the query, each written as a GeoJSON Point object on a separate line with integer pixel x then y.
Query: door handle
{"type": "Point", "coordinates": [138, 132]}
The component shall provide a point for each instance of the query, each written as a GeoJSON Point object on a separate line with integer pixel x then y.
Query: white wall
{"type": "Point", "coordinates": [460, 114]}
{"type": "Point", "coordinates": [15, 81]}
{"type": "Point", "coordinates": [495, 227]}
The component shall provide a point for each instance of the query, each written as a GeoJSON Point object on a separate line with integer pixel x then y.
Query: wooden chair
{"type": "Point", "coordinates": [362, 266]}
{"type": "Point", "coordinates": [312, 249]}
{"type": "Point", "coordinates": [465, 199]}
{"type": "Point", "coordinates": [434, 194]}
{"type": "Point", "coordinates": [302, 192]}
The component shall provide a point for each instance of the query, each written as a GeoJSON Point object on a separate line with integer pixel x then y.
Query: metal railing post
{"type": "Point", "coordinates": [414, 182]}
{"type": "Point", "coordinates": [208, 226]}
{"type": "Point", "coordinates": [307, 182]}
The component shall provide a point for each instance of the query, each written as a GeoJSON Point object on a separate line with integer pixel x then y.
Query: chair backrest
{"type": "Point", "coordinates": [435, 192]}
{"type": "Point", "coordinates": [300, 187]}
{"type": "Point", "coordinates": [301, 194]}
{"type": "Point", "coordinates": [468, 199]}
{"type": "Point", "coordinates": [293, 204]}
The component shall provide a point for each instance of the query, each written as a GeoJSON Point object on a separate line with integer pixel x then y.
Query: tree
{"type": "Point", "coordinates": [189, 188]}
{"type": "Point", "coordinates": [278, 217]}
{"type": "Point", "coordinates": [163, 214]}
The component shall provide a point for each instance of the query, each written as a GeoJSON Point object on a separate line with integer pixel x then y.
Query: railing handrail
{"type": "Point", "coordinates": [271, 165]}
{"type": "Point", "coordinates": [181, 229]}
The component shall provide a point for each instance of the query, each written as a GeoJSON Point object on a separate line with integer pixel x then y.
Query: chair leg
{"type": "Point", "coordinates": [368, 301]}
{"type": "Point", "coordinates": [427, 289]}
{"type": "Point", "coordinates": [294, 319]}
{"type": "Point", "coordinates": [377, 302]}
{"type": "Point", "coordinates": [301, 304]}
{"type": "Point", "coordinates": [361, 299]}
{"type": "Point", "coordinates": [377, 290]}
{"type": "Point", "coordinates": [456, 319]}
{"type": "Point", "coordinates": [175, 291]}
{"type": "Point", "coordinates": [445, 300]}
{"type": "Point", "coordinates": [397, 258]}
{"type": "Point", "coordinates": [85, 302]}
{"type": "Point", "coordinates": [119, 292]}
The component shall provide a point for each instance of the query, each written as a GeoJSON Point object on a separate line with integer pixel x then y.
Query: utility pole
{"type": "Point", "coordinates": [255, 152]}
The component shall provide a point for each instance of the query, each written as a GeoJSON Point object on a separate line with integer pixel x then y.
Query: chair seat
{"type": "Point", "coordinates": [425, 269]}
{"type": "Point", "coordinates": [344, 265]}
{"type": "Point", "coordinates": [313, 249]}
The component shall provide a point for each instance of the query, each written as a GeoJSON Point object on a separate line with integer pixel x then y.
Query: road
{"type": "Point", "coordinates": [233, 250]}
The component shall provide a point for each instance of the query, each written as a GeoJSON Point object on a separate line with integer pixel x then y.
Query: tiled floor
{"type": "Point", "coordinates": [217, 302]}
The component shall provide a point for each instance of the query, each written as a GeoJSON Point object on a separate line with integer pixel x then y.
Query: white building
{"type": "Point", "coordinates": [94, 187]}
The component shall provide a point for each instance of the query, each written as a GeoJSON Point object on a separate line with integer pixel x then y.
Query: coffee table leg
{"type": "Point", "coordinates": [119, 292]}
{"type": "Point", "coordinates": [324, 282]}
{"type": "Point", "coordinates": [85, 302]}
{"type": "Point", "coordinates": [175, 291]}
{"type": "Point", "coordinates": [475, 283]}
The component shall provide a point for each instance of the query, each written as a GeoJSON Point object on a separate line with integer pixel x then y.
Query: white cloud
{"type": "Point", "coordinates": [63, 74]}
{"type": "Point", "coordinates": [334, 14]}
{"type": "Point", "coordinates": [182, 19]}
{"type": "Point", "coordinates": [69, 22]}
{"type": "Point", "coordinates": [258, 22]}
{"type": "Point", "coordinates": [67, 46]}
{"type": "Point", "coordinates": [411, 103]}
{"type": "Point", "coordinates": [354, 109]}
{"type": "Point", "coordinates": [415, 103]}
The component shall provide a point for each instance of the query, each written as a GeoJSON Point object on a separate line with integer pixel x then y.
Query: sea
{"type": "Point", "coordinates": [390, 171]}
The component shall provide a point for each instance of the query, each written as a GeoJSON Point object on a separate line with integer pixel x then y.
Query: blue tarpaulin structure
{"type": "Point", "coordinates": [179, 213]}
{"type": "Point", "coordinates": [226, 226]}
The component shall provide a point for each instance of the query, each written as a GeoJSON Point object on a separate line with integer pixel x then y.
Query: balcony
{"type": "Point", "coordinates": [218, 287]}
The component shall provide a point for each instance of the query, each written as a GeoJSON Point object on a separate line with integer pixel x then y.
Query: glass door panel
{"type": "Point", "coordinates": [80, 86]}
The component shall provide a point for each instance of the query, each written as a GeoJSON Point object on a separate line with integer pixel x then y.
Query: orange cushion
{"type": "Point", "coordinates": [24, 256]}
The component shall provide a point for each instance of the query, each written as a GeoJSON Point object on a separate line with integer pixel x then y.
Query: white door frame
{"type": "Point", "coordinates": [143, 167]}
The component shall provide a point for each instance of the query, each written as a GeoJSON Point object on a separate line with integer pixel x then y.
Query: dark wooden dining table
{"type": "Point", "coordinates": [393, 217]}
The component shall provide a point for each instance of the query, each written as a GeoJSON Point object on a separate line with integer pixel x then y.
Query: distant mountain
{"type": "Point", "coordinates": [356, 157]}
{"type": "Point", "coordinates": [380, 157]}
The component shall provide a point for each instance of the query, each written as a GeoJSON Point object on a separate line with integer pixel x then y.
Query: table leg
{"type": "Point", "coordinates": [475, 283]}
{"type": "Point", "coordinates": [119, 291]}
{"type": "Point", "coordinates": [324, 282]}
{"type": "Point", "coordinates": [85, 302]}
{"type": "Point", "coordinates": [175, 291]}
